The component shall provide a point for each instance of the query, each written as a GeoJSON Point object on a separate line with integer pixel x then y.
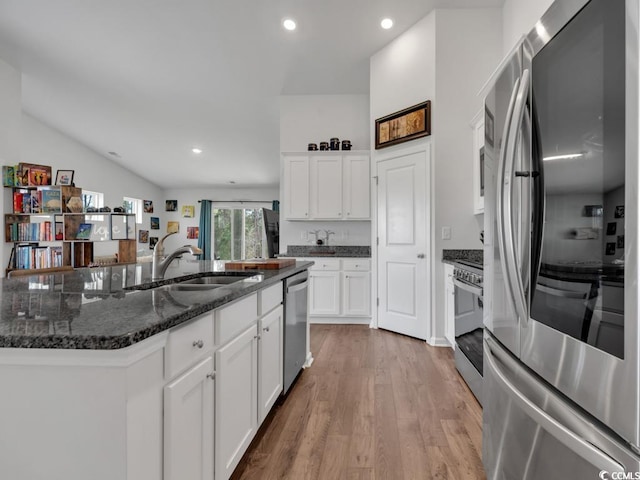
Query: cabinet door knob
{"type": "Point", "coordinates": [256, 337]}
{"type": "Point", "coordinates": [265, 329]}
{"type": "Point", "coordinates": [421, 255]}
{"type": "Point", "coordinates": [198, 343]}
{"type": "Point", "coordinates": [211, 375]}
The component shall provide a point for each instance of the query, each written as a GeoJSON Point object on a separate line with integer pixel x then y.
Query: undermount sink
{"type": "Point", "coordinates": [208, 281]}
{"type": "Point", "coordinates": [322, 253]}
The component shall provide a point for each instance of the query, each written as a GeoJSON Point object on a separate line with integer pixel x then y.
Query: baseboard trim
{"type": "Point", "coordinates": [438, 342]}
{"type": "Point", "coordinates": [340, 320]}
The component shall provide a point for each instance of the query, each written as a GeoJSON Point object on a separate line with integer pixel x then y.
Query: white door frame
{"type": "Point", "coordinates": [418, 146]}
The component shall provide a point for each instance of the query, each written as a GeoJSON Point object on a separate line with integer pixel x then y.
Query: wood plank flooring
{"type": "Point", "coordinates": [374, 405]}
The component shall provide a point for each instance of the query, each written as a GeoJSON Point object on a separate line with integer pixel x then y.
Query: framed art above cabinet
{"type": "Point", "coordinates": [477, 126]}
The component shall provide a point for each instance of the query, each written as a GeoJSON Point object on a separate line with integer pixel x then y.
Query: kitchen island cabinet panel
{"type": "Point", "coordinates": [236, 400]}
{"type": "Point", "coordinates": [188, 424]}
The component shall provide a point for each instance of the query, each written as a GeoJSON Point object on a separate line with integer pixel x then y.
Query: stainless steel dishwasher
{"type": "Point", "coordinates": [295, 326]}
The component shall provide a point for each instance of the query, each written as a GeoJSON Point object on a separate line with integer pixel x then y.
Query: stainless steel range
{"type": "Point", "coordinates": [468, 283]}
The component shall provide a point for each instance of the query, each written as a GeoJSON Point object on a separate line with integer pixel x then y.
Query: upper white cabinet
{"type": "Point", "coordinates": [332, 185]}
{"type": "Point", "coordinates": [326, 187]}
{"type": "Point", "coordinates": [477, 125]}
{"type": "Point", "coordinates": [296, 187]}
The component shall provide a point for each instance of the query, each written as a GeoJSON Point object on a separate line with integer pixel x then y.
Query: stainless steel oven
{"type": "Point", "coordinates": [468, 282]}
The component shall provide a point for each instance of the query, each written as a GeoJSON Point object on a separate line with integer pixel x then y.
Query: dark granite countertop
{"type": "Point", "coordinates": [96, 308]}
{"type": "Point", "coordinates": [451, 256]}
{"type": "Point", "coordinates": [347, 251]}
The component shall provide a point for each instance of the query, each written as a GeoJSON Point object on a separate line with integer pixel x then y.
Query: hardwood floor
{"type": "Point", "coordinates": [374, 405]}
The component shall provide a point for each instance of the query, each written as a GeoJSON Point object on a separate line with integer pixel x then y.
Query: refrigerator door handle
{"type": "Point", "coordinates": [568, 438]}
{"type": "Point", "coordinates": [500, 226]}
{"type": "Point", "coordinates": [510, 258]}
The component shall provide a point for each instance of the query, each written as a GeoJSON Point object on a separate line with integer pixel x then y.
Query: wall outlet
{"type": "Point", "coordinates": [446, 233]}
{"type": "Point", "coordinates": [304, 236]}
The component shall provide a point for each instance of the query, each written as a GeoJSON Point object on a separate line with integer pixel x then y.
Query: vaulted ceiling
{"type": "Point", "coordinates": [150, 79]}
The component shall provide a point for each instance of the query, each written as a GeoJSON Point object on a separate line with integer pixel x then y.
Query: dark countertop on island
{"type": "Point", "coordinates": [114, 307]}
{"type": "Point", "coordinates": [451, 256]}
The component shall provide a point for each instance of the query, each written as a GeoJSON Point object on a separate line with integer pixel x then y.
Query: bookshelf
{"type": "Point", "coordinates": [49, 229]}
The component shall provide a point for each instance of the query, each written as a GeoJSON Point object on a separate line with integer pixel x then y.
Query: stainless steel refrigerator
{"type": "Point", "coordinates": [561, 356]}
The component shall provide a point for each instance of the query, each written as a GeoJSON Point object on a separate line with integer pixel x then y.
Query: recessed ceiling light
{"type": "Point", "coordinates": [232, 182]}
{"type": "Point", "coordinates": [114, 154]}
{"type": "Point", "coordinates": [289, 24]}
{"type": "Point", "coordinates": [196, 150]}
{"type": "Point", "coordinates": [386, 23]}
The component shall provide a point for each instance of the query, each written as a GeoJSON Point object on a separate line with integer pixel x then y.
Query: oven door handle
{"type": "Point", "coordinates": [469, 288]}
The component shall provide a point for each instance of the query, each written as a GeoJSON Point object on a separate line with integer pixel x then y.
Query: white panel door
{"type": "Point", "coordinates": [326, 187]}
{"type": "Point", "coordinates": [357, 180]}
{"type": "Point", "coordinates": [270, 366]}
{"type": "Point", "coordinates": [296, 188]}
{"type": "Point", "coordinates": [402, 231]}
{"type": "Point", "coordinates": [236, 400]}
{"type": "Point", "coordinates": [188, 425]}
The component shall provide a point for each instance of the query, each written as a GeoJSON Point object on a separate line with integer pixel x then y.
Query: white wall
{"type": "Point", "coordinates": [308, 119]}
{"type": "Point", "coordinates": [445, 58]}
{"type": "Point", "coordinates": [191, 197]}
{"type": "Point", "coordinates": [518, 18]}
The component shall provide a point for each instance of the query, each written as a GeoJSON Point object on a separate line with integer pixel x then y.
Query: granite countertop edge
{"type": "Point", "coordinates": [223, 296]}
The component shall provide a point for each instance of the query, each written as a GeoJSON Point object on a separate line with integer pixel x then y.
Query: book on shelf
{"type": "Point", "coordinates": [84, 231]}
{"type": "Point", "coordinates": [35, 256]}
{"type": "Point", "coordinates": [8, 175]}
{"type": "Point", "coordinates": [51, 201]}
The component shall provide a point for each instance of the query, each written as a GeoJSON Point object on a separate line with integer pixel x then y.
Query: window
{"type": "Point", "coordinates": [238, 233]}
{"type": "Point", "coordinates": [92, 199]}
{"type": "Point", "coordinates": [133, 205]}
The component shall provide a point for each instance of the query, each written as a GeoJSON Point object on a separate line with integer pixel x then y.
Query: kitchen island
{"type": "Point", "coordinates": [107, 375]}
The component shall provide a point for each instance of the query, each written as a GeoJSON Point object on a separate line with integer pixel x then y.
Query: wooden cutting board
{"type": "Point", "coordinates": [266, 264]}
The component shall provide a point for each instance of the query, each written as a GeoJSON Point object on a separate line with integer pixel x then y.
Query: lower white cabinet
{"type": "Point", "coordinates": [449, 305]}
{"type": "Point", "coordinates": [356, 294]}
{"type": "Point", "coordinates": [270, 356]}
{"type": "Point", "coordinates": [340, 290]}
{"type": "Point", "coordinates": [188, 424]}
{"type": "Point", "coordinates": [324, 293]}
{"type": "Point", "coordinates": [236, 400]}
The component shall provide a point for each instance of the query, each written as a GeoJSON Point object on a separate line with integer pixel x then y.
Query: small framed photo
{"type": "Point", "coordinates": [611, 248]}
{"type": "Point", "coordinates": [143, 236]}
{"type": "Point", "coordinates": [171, 205]}
{"type": "Point", "coordinates": [188, 211]}
{"type": "Point", "coordinates": [173, 227]}
{"type": "Point", "coordinates": [155, 223]}
{"type": "Point", "coordinates": [148, 206]}
{"type": "Point", "coordinates": [619, 213]}
{"type": "Point", "coordinates": [64, 177]}
{"type": "Point", "coordinates": [193, 233]}
{"type": "Point", "coordinates": [611, 228]}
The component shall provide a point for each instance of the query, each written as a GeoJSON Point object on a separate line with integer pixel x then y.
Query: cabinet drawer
{"type": "Point", "coordinates": [187, 343]}
{"type": "Point", "coordinates": [325, 264]}
{"type": "Point", "coordinates": [232, 319]}
{"type": "Point", "coordinates": [357, 265]}
{"type": "Point", "coordinates": [269, 298]}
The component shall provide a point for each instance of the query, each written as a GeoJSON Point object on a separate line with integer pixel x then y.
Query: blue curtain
{"type": "Point", "coordinates": [204, 237]}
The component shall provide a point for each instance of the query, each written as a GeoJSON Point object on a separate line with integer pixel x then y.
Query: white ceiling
{"type": "Point", "coordinates": [150, 79]}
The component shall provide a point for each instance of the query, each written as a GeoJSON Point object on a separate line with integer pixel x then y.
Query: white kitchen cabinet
{"type": "Point", "coordinates": [340, 290]}
{"type": "Point", "coordinates": [356, 183]}
{"type": "Point", "coordinates": [477, 125]}
{"type": "Point", "coordinates": [336, 186]}
{"type": "Point", "coordinates": [188, 424]}
{"type": "Point", "coordinates": [235, 400]}
{"type": "Point", "coordinates": [449, 305]}
{"type": "Point", "coordinates": [296, 187]}
{"type": "Point", "coordinates": [324, 293]}
{"type": "Point", "coordinates": [270, 358]}
{"type": "Point", "coordinates": [356, 298]}
{"type": "Point", "coordinates": [326, 187]}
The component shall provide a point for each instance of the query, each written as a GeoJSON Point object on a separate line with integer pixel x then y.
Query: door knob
{"type": "Point", "coordinates": [421, 255]}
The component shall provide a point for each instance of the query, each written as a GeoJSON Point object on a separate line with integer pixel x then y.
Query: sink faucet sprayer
{"type": "Point", "coordinates": [328, 233]}
{"type": "Point", "coordinates": [159, 265]}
